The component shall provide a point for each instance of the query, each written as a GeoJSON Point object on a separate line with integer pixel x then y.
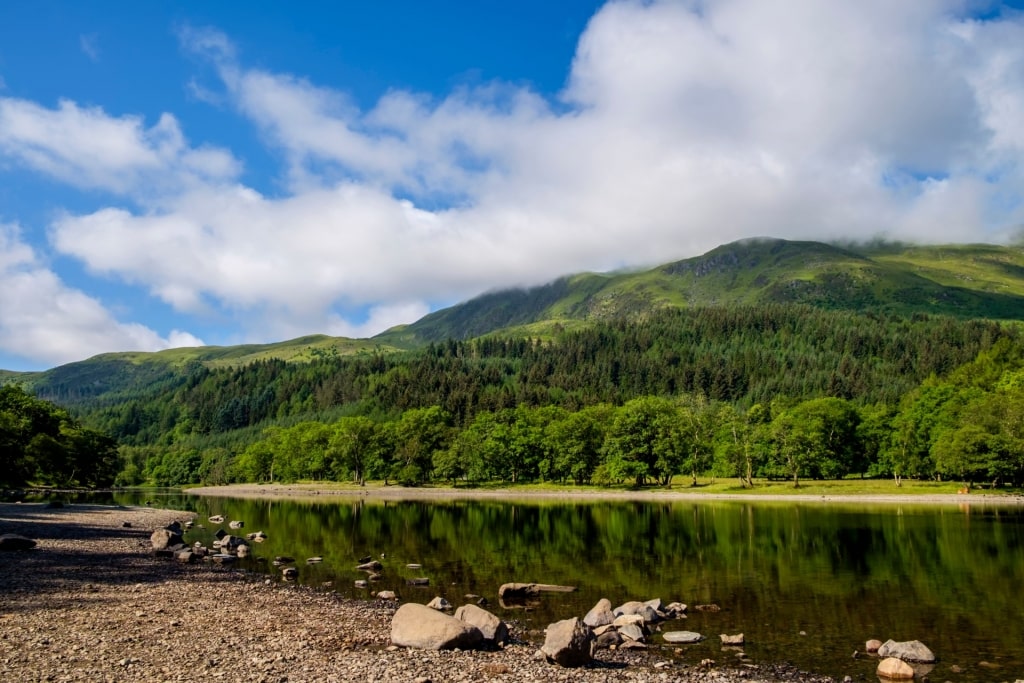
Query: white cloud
{"type": "Point", "coordinates": [43, 319]}
{"type": "Point", "coordinates": [683, 125]}
{"type": "Point", "coordinates": [86, 147]}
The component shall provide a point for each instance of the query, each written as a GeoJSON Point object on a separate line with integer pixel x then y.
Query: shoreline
{"type": "Point", "coordinates": [396, 492]}
{"type": "Point", "coordinates": [90, 603]}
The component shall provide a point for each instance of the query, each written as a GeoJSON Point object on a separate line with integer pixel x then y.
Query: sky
{"type": "Point", "coordinates": [192, 173]}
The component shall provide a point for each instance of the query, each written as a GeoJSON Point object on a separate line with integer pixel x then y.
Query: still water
{"type": "Point", "coordinates": [806, 583]}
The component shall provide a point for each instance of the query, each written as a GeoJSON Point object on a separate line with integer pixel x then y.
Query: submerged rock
{"type": "Point", "coordinates": [439, 603]}
{"type": "Point", "coordinates": [908, 651]}
{"type": "Point", "coordinates": [682, 637]}
{"type": "Point", "coordinates": [895, 669]}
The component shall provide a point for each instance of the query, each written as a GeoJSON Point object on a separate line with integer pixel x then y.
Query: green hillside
{"type": "Point", "coordinates": [965, 281]}
{"type": "Point", "coordinates": [111, 377]}
{"type": "Point", "coordinates": [962, 281]}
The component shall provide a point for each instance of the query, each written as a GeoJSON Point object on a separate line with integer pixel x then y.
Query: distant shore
{"type": "Point", "coordinates": [320, 491]}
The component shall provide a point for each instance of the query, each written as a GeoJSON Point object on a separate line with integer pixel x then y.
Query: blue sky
{"type": "Point", "coordinates": [189, 173]}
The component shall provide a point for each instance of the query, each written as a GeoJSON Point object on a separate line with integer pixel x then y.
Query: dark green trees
{"type": "Point", "coordinates": [41, 443]}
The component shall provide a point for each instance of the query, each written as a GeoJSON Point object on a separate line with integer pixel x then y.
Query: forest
{"type": "Point", "coordinates": [41, 443]}
{"type": "Point", "coordinates": [748, 392]}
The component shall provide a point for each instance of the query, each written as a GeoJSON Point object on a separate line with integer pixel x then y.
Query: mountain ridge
{"type": "Point", "coordinates": [965, 281]}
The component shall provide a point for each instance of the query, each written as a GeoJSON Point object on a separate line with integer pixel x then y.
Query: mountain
{"type": "Point", "coordinates": [964, 281]}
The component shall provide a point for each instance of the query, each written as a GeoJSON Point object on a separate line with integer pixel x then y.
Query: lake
{"type": "Point", "coordinates": [807, 583]}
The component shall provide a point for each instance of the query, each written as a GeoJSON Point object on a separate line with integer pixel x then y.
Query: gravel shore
{"type": "Point", "coordinates": [318, 491]}
{"type": "Point", "coordinates": [91, 603]}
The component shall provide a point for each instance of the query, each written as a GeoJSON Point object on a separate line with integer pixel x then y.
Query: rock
{"type": "Point", "coordinates": [185, 556]}
{"type": "Point", "coordinates": [242, 551]}
{"type": "Point", "coordinates": [283, 559]}
{"type": "Point", "coordinates": [126, 525]}
{"type": "Point", "coordinates": [371, 566]}
{"type": "Point", "coordinates": [871, 647]}
{"type": "Point", "coordinates": [364, 559]}
{"type": "Point", "coordinates": [420, 627]}
{"type": "Point", "coordinates": [220, 534]}
{"type": "Point", "coordinates": [649, 614]}
{"type": "Point", "coordinates": [569, 642]}
{"type": "Point", "coordinates": [895, 669]}
{"type": "Point", "coordinates": [631, 632]}
{"type": "Point", "coordinates": [222, 558]}
{"type": "Point", "coordinates": [216, 519]}
{"type": "Point", "coordinates": [360, 583]}
{"type": "Point", "coordinates": [675, 609]}
{"type": "Point", "coordinates": [231, 543]}
{"type": "Point", "coordinates": [162, 539]}
{"type": "Point", "coordinates": [731, 640]}
{"type": "Point", "coordinates": [236, 524]}
{"type": "Point", "coordinates": [633, 645]}
{"type": "Point", "coordinates": [655, 604]}
{"type": "Point", "coordinates": [17, 542]}
{"type": "Point", "coordinates": [908, 651]}
{"type": "Point", "coordinates": [607, 640]}
{"type": "Point", "coordinates": [600, 614]}
{"type": "Point", "coordinates": [414, 565]}
{"type": "Point", "coordinates": [682, 637]}
{"type": "Point", "coordinates": [708, 608]}
{"type": "Point", "coordinates": [314, 560]}
{"type": "Point", "coordinates": [386, 595]}
{"type": "Point", "coordinates": [524, 590]}
{"type": "Point", "coordinates": [257, 536]}
{"type": "Point", "coordinates": [417, 582]}
{"type": "Point", "coordinates": [439, 603]}
{"type": "Point", "coordinates": [289, 573]}
{"type": "Point", "coordinates": [628, 620]}
{"type": "Point", "coordinates": [632, 607]}
{"type": "Point", "coordinates": [493, 629]}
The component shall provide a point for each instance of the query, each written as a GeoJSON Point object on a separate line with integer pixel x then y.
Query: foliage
{"type": "Point", "coordinates": [41, 443]}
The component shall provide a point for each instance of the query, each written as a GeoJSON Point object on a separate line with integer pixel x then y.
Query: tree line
{"type": "Point", "coordinates": [41, 443]}
{"type": "Point", "coordinates": [966, 427]}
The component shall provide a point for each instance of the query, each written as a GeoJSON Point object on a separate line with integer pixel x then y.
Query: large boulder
{"type": "Point", "coordinates": [494, 629]}
{"type": "Point", "coordinates": [162, 539]}
{"type": "Point", "coordinates": [895, 669]}
{"type": "Point", "coordinates": [16, 542]}
{"type": "Point", "coordinates": [423, 628]}
{"type": "Point", "coordinates": [908, 651]}
{"type": "Point", "coordinates": [600, 614]}
{"type": "Point", "coordinates": [569, 642]}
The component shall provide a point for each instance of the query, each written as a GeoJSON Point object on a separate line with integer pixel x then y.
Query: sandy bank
{"type": "Point", "coordinates": [301, 491]}
{"type": "Point", "coordinates": [90, 603]}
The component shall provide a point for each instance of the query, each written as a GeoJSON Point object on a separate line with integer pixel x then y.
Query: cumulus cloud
{"type": "Point", "coordinates": [86, 147]}
{"type": "Point", "coordinates": [43, 319]}
{"type": "Point", "coordinates": [683, 125]}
